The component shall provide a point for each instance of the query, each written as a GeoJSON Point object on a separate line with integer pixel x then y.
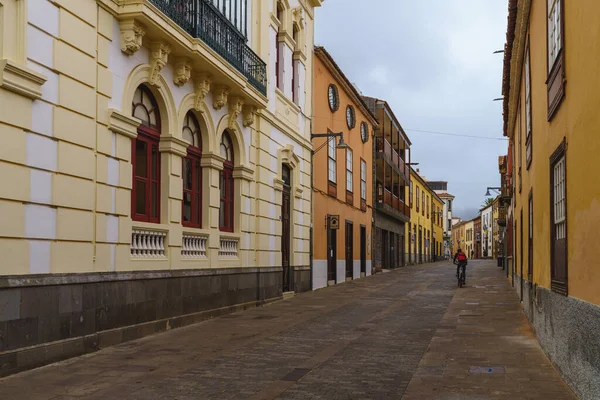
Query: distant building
{"type": "Point", "coordinates": [441, 189]}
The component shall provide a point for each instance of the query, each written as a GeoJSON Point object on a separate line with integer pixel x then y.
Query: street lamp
{"type": "Point", "coordinates": [488, 194]}
{"type": "Point", "coordinates": [341, 144]}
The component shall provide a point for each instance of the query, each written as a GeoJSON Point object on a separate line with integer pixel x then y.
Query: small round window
{"type": "Point", "coordinates": [364, 132]}
{"type": "Point", "coordinates": [350, 117]}
{"type": "Point", "coordinates": [334, 100]}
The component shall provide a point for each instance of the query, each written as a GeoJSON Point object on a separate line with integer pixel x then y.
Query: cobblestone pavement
{"type": "Point", "coordinates": [404, 334]}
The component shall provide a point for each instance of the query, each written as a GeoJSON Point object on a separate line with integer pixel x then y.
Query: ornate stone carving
{"type": "Point", "coordinates": [183, 71]}
{"type": "Point", "coordinates": [298, 15]}
{"type": "Point", "coordinates": [249, 115]}
{"type": "Point", "coordinates": [202, 83]}
{"type": "Point", "coordinates": [220, 96]}
{"type": "Point", "coordinates": [159, 55]}
{"type": "Point", "coordinates": [235, 108]}
{"type": "Point", "coordinates": [131, 36]}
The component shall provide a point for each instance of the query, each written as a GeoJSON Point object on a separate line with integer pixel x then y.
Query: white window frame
{"type": "Point", "coordinates": [331, 160]}
{"type": "Point", "coordinates": [363, 180]}
{"type": "Point", "coordinates": [554, 31]}
{"type": "Point", "coordinates": [560, 212]}
{"type": "Point", "coordinates": [349, 171]}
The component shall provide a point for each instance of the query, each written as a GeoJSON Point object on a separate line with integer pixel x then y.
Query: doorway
{"type": "Point", "coordinates": [285, 230]}
{"type": "Point", "coordinates": [521, 255]}
{"type": "Point", "coordinates": [331, 256]}
{"type": "Point", "coordinates": [363, 250]}
{"type": "Point", "coordinates": [349, 250]}
{"type": "Point", "coordinates": [420, 246]}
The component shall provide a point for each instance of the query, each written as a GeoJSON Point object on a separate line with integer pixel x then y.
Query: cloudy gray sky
{"type": "Point", "coordinates": [433, 61]}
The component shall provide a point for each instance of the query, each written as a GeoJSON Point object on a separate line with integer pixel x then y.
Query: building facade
{"type": "Point", "coordinates": [157, 162]}
{"type": "Point", "coordinates": [441, 189]}
{"type": "Point", "coordinates": [343, 198]}
{"type": "Point", "coordinates": [477, 232]}
{"type": "Point", "coordinates": [424, 220]}
{"type": "Point", "coordinates": [551, 119]}
{"type": "Point", "coordinates": [459, 235]}
{"type": "Point", "coordinates": [437, 227]}
{"type": "Point", "coordinates": [391, 147]}
{"type": "Point", "coordinates": [469, 246]}
{"type": "Point", "coordinates": [487, 231]}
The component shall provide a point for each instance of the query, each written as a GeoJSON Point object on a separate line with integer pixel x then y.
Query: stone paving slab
{"type": "Point", "coordinates": [405, 334]}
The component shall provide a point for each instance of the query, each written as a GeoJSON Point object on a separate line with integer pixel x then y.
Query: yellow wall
{"type": "Point", "coordinates": [325, 120]}
{"type": "Point", "coordinates": [422, 217]}
{"type": "Point", "coordinates": [577, 119]}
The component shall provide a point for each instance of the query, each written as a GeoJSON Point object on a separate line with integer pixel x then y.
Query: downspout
{"type": "Point", "coordinates": [312, 212]}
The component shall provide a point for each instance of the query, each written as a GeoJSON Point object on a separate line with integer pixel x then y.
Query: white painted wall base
{"type": "Point", "coordinates": [341, 271]}
{"type": "Point", "coordinates": [356, 269]}
{"type": "Point", "coordinates": [319, 274]}
{"type": "Point", "coordinates": [369, 268]}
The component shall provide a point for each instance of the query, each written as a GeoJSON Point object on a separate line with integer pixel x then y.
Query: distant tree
{"type": "Point", "coordinates": [487, 202]}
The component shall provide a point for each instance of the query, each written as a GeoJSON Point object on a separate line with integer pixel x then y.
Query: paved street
{"type": "Point", "coordinates": [407, 334]}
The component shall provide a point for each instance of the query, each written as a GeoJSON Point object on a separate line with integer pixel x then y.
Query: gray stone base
{"type": "Point", "coordinates": [569, 331]}
{"type": "Point", "coordinates": [44, 319]}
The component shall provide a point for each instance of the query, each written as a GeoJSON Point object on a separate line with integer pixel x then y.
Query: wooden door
{"type": "Point", "coordinates": [363, 249]}
{"type": "Point", "coordinates": [285, 238]}
{"type": "Point", "coordinates": [331, 254]}
{"type": "Point", "coordinates": [349, 250]}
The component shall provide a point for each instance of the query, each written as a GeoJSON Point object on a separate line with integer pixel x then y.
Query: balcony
{"type": "Point", "coordinates": [502, 216]}
{"type": "Point", "coordinates": [201, 19]}
{"type": "Point", "coordinates": [384, 150]}
{"type": "Point", "coordinates": [392, 205]}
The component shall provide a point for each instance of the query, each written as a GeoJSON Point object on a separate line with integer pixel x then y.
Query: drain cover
{"type": "Point", "coordinates": [487, 370]}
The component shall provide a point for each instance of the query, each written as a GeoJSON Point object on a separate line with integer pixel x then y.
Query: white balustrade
{"type": "Point", "coordinates": [194, 246]}
{"type": "Point", "coordinates": [147, 244]}
{"type": "Point", "coordinates": [228, 248]}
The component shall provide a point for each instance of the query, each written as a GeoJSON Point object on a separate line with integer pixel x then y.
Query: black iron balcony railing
{"type": "Point", "coordinates": [203, 20]}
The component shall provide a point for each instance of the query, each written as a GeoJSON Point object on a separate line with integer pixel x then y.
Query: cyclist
{"type": "Point", "coordinates": [462, 261]}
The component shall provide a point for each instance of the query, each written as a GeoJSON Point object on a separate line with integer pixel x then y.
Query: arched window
{"type": "Point", "coordinates": [192, 174]}
{"type": "Point", "coordinates": [226, 206]}
{"type": "Point", "coordinates": [145, 194]}
{"type": "Point", "coordinates": [278, 44]}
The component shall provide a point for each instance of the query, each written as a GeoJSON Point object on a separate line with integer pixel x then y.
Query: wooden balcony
{"type": "Point", "coordinates": [384, 150]}
{"type": "Point", "coordinates": [392, 205]}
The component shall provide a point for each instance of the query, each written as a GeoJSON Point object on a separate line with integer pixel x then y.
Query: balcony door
{"type": "Point", "coordinates": [285, 229]}
{"type": "Point", "coordinates": [349, 250]}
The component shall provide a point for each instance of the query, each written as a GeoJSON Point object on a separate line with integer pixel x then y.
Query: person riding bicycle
{"type": "Point", "coordinates": [462, 261]}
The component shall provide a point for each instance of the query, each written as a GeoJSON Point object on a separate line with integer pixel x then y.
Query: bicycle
{"type": "Point", "coordinates": [461, 273]}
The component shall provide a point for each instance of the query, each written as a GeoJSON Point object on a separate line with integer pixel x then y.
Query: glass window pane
{"type": "Point", "coordinates": [154, 205]}
{"type": "Point", "coordinates": [188, 136]}
{"type": "Point", "coordinates": [187, 174]}
{"type": "Point", "coordinates": [198, 207]}
{"type": "Point", "coordinates": [222, 214]}
{"type": "Point", "coordinates": [187, 207]}
{"type": "Point", "coordinates": [155, 156]}
{"type": "Point", "coordinates": [141, 160]}
{"type": "Point", "coordinates": [198, 177]}
{"type": "Point", "coordinates": [141, 113]}
{"type": "Point", "coordinates": [140, 197]}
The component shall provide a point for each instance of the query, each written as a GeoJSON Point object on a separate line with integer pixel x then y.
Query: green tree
{"type": "Point", "coordinates": [487, 202]}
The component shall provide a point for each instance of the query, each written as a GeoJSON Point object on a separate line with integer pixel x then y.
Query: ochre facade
{"type": "Point", "coordinates": [349, 194]}
{"type": "Point", "coordinates": [551, 118]}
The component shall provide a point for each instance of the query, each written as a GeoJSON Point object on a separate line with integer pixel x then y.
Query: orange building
{"type": "Point", "coordinates": [342, 176]}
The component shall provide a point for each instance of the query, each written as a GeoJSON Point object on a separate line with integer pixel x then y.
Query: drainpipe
{"type": "Point", "coordinates": [312, 212]}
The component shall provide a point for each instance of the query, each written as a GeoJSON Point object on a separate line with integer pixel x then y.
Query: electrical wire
{"type": "Point", "coordinates": [456, 134]}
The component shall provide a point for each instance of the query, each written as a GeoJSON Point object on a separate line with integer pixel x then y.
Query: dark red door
{"type": "Point", "coordinates": [349, 250]}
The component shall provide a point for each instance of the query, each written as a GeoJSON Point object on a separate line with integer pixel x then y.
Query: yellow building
{"type": "Point", "coordinates": [551, 118]}
{"type": "Point", "coordinates": [459, 234]}
{"type": "Point", "coordinates": [156, 162]}
{"type": "Point", "coordinates": [469, 245]}
{"type": "Point", "coordinates": [424, 238]}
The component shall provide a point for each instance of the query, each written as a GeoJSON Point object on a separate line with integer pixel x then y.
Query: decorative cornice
{"type": "Point", "coordinates": [159, 55]}
{"type": "Point", "coordinates": [131, 36]}
{"type": "Point", "coordinates": [235, 108]}
{"type": "Point", "coordinates": [220, 96]}
{"type": "Point", "coordinates": [21, 80]}
{"type": "Point", "coordinates": [243, 172]}
{"type": "Point", "coordinates": [173, 145]}
{"type": "Point", "coordinates": [122, 124]}
{"type": "Point", "coordinates": [249, 115]}
{"type": "Point", "coordinates": [183, 71]}
{"type": "Point", "coordinates": [202, 83]}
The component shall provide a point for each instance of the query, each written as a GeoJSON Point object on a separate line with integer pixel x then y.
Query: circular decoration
{"type": "Point", "coordinates": [350, 117]}
{"type": "Point", "coordinates": [364, 132]}
{"type": "Point", "coordinates": [334, 100]}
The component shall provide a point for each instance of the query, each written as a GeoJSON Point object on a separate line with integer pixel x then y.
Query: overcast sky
{"type": "Point", "coordinates": [433, 61]}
